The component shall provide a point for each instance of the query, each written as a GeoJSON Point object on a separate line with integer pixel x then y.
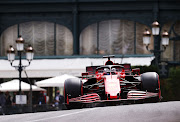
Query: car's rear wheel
{"type": "Point", "coordinates": [72, 89]}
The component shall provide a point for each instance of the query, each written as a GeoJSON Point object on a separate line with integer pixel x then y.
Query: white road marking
{"type": "Point", "coordinates": [61, 115]}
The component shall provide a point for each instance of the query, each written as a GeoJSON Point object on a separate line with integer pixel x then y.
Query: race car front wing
{"type": "Point", "coordinates": [94, 97]}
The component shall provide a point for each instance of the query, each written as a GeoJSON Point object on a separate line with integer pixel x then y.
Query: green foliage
{"type": "Point", "coordinates": [144, 69]}
{"type": "Point", "coordinates": [170, 87]}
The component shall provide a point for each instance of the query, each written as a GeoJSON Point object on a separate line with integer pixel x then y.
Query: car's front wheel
{"type": "Point", "coordinates": [150, 83]}
{"type": "Point", "coordinates": [72, 89]}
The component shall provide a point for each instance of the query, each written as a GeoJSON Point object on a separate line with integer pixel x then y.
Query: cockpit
{"type": "Point", "coordinates": [110, 69]}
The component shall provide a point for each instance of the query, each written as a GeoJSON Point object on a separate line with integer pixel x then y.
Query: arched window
{"type": "Point", "coordinates": [47, 38]}
{"type": "Point", "coordinates": [113, 37]}
{"type": "Point", "coordinates": [172, 52]}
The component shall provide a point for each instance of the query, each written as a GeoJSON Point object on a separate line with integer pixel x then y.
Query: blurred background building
{"type": "Point", "coordinates": [68, 35]}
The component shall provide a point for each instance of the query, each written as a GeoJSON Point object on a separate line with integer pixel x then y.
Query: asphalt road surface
{"type": "Point", "coordinates": [149, 112]}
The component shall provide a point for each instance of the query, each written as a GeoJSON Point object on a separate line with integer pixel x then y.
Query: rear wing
{"type": "Point", "coordinates": [91, 70]}
{"type": "Point", "coordinates": [127, 67]}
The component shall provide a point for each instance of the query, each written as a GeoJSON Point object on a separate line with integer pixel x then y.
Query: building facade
{"type": "Point", "coordinates": [67, 35]}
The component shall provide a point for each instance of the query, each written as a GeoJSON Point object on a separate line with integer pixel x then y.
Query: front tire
{"type": "Point", "coordinates": [150, 82]}
{"type": "Point", "coordinates": [72, 89]}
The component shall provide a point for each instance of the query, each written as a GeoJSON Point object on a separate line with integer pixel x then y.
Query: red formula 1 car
{"type": "Point", "coordinates": [111, 83]}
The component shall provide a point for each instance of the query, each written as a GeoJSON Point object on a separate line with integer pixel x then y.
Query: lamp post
{"type": "Point", "coordinates": [20, 49]}
{"type": "Point", "coordinates": [164, 41]}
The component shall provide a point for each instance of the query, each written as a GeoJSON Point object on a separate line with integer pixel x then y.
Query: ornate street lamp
{"type": "Point", "coordinates": [155, 28]}
{"type": "Point", "coordinates": [11, 54]}
{"type": "Point", "coordinates": [20, 44]}
{"type": "Point", "coordinates": [146, 38]}
{"type": "Point", "coordinates": [29, 53]}
{"type": "Point", "coordinates": [164, 40]}
{"type": "Point", "coordinates": [20, 49]}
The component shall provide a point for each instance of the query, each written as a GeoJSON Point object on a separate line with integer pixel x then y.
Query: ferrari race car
{"type": "Point", "coordinates": [111, 83]}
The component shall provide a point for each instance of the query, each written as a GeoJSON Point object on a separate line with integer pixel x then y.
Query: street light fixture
{"type": "Point", "coordinates": [20, 44]}
{"type": "Point", "coordinates": [11, 54]}
{"type": "Point", "coordinates": [155, 28]}
{"type": "Point", "coordinates": [146, 38]}
{"type": "Point", "coordinates": [20, 49]}
{"type": "Point", "coordinates": [165, 39]}
{"type": "Point", "coordinates": [155, 33]}
{"type": "Point", "coordinates": [29, 53]}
